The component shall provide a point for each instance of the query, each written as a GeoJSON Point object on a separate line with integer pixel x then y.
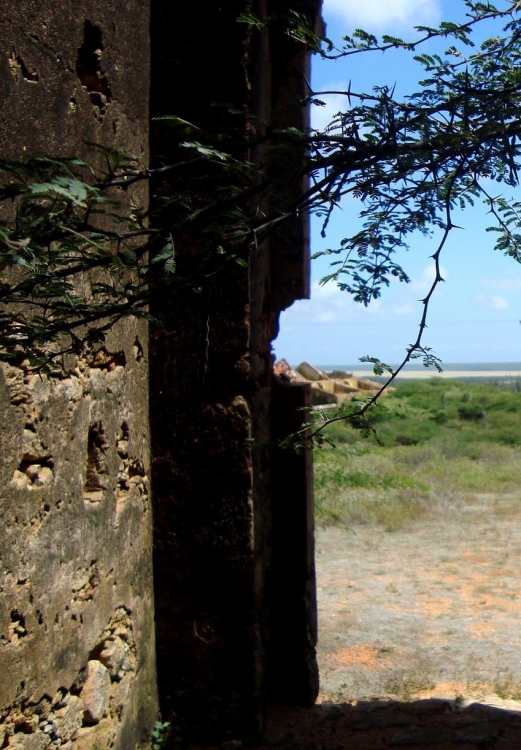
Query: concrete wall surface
{"type": "Point", "coordinates": [76, 605]}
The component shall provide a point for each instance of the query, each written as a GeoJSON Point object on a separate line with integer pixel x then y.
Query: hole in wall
{"type": "Point", "coordinates": [85, 590]}
{"type": "Point", "coordinates": [122, 451]}
{"type": "Point", "coordinates": [131, 472]}
{"type": "Point", "coordinates": [17, 628]}
{"type": "Point", "coordinates": [137, 350]}
{"type": "Point", "coordinates": [116, 648]}
{"type": "Point", "coordinates": [24, 727]}
{"type": "Point", "coordinates": [89, 70]}
{"type": "Point", "coordinates": [108, 361]}
{"type": "Point", "coordinates": [96, 471]}
{"type": "Point", "coordinates": [33, 472]}
{"type": "Point", "coordinates": [123, 484]}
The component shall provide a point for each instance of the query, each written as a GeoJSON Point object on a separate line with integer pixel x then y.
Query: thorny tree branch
{"type": "Point", "coordinates": [408, 162]}
{"type": "Point", "coordinates": [361, 41]}
{"type": "Point", "coordinates": [359, 419]}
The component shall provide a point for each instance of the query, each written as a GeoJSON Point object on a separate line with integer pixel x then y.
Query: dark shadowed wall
{"type": "Point", "coordinates": [226, 598]}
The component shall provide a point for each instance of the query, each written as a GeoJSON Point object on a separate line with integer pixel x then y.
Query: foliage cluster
{"type": "Point", "coordinates": [75, 252]}
{"type": "Point", "coordinates": [54, 228]}
{"type": "Point", "coordinates": [419, 411]}
{"type": "Point", "coordinates": [78, 252]}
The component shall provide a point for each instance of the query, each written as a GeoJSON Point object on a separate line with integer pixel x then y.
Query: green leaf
{"type": "Point", "coordinates": [174, 120]}
{"type": "Point", "coordinates": [251, 20]}
{"type": "Point", "coordinates": [205, 150]}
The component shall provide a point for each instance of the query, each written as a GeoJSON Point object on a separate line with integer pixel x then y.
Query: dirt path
{"type": "Point", "coordinates": [420, 634]}
{"type": "Point", "coordinates": [432, 610]}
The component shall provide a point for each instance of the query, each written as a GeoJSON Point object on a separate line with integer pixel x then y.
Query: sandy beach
{"type": "Point", "coordinates": [425, 373]}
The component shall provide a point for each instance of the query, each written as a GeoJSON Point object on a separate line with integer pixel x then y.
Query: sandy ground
{"type": "Point", "coordinates": [431, 610]}
{"type": "Point", "coordinates": [420, 635]}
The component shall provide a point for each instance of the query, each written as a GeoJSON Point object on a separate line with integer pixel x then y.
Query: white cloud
{"type": "Point", "coordinates": [491, 302]}
{"type": "Point", "coordinates": [424, 281]}
{"type": "Point", "coordinates": [405, 309]}
{"type": "Point", "coordinates": [328, 305]}
{"type": "Point", "coordinates": [383, 15]}
{"type": "Point", "coordinates": [321, 117]}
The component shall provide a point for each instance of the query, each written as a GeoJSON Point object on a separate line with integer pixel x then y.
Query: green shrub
{"type": "Point", "coordinates": [471, 413]}
{"type": "Point", "coordinates": [429, 449]}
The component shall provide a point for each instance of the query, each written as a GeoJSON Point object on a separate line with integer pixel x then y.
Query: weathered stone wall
{"type": "Point", "coordinates": [76, 603]}
{"type": "Point", "coordinates": [235, 603]}
{"type": "Point", "coordinates": [219, 506]}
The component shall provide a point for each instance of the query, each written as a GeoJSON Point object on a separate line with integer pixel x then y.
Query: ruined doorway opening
{"type": "Point", "coordinates": [419, 635]}
{"type": "Point", "coordinates": [419, 597]}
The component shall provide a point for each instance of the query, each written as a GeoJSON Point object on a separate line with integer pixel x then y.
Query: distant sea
{"type": "Point", "coordinates": [459, 370]}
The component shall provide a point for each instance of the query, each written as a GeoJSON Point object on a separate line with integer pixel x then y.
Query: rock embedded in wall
{"type": "Point", "coordinates": [92, 708]}
{"type": "Point", "coordinates": [95, 692]}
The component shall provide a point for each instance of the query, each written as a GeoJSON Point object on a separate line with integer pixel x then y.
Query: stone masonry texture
{"type": "Point", "coordinates": [76, 602]}
{"type": "Point", "coordinates": [235, 608]}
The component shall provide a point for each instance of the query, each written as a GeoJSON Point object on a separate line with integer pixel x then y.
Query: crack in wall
{"type": "Point", "coordinates": [19, 68]}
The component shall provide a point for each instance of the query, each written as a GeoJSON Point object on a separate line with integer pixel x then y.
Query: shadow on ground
{"type": "Point", "coordinates": [375, 725]}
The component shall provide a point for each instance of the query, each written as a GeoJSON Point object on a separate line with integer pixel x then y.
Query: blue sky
{"type": "Point", "coordinates": [475, 316]}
